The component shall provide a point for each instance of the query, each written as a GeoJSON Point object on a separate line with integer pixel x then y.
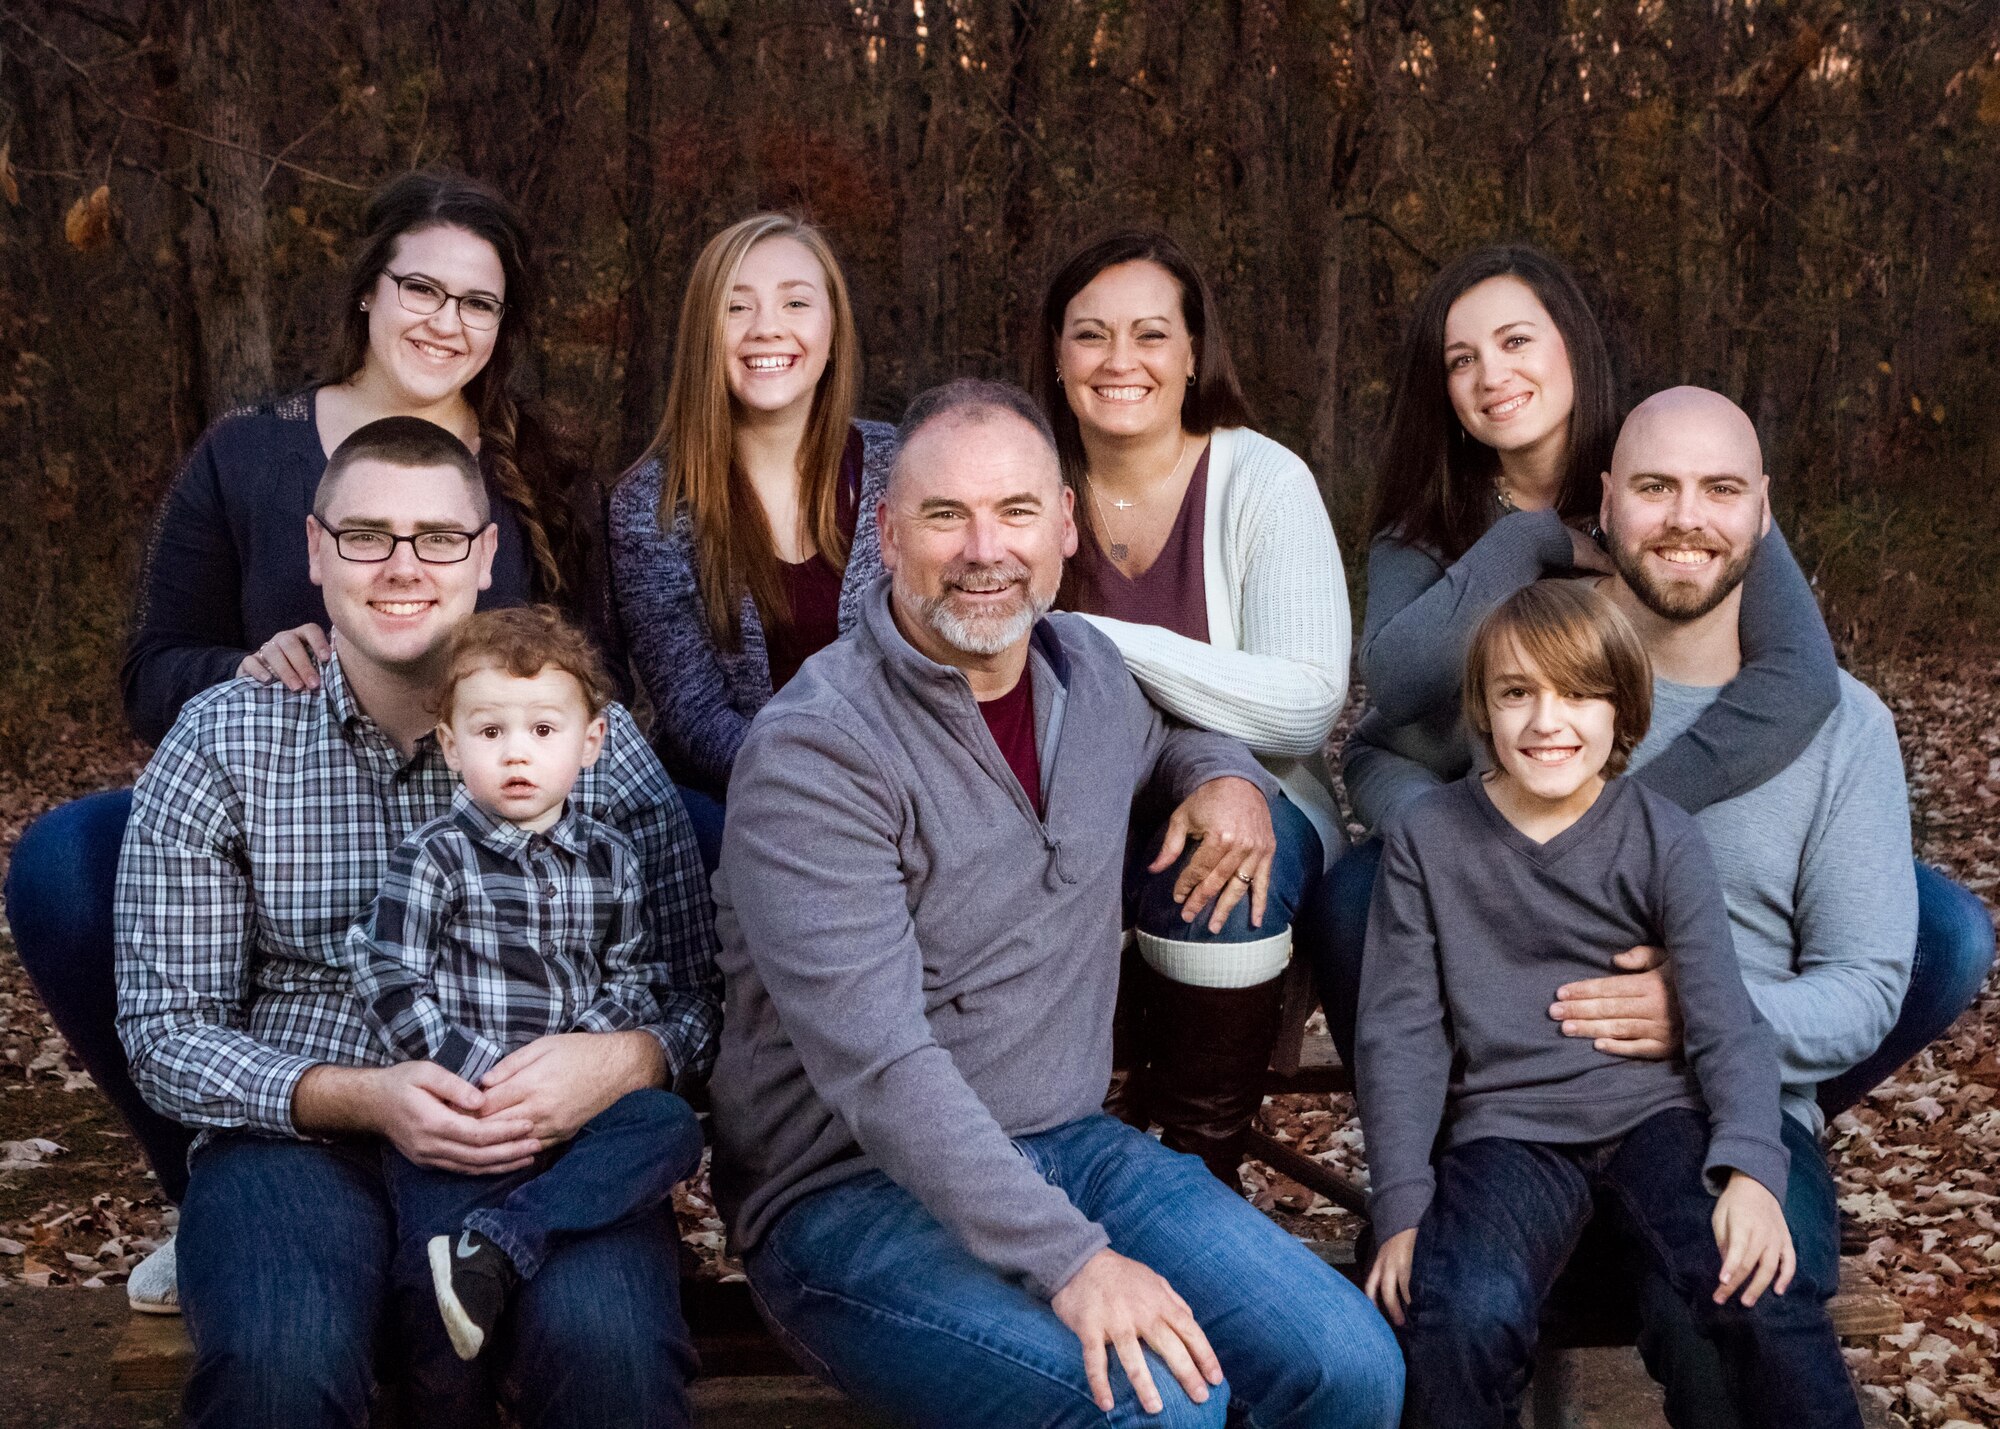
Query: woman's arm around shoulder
{"type": "Point", "coordinates": [1422, 612]}
{"type": "Point", "coordinates": [1764, 718]}
{"type": "Point", "coordinates": [188, 633]}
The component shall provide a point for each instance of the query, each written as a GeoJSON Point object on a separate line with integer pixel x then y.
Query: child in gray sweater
{"type": "Point", "coordinates": [1495, 891]}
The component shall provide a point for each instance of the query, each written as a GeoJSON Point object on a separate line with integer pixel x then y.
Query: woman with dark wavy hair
{"type": "Point", "coordinates": [432, 317]}
{"type": "Point", "coordinates": [1501, 422]}
{"type": "Point", "coordinates": [1205, 554]}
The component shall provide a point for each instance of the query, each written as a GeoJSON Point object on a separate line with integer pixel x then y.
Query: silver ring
{"type": "Point", "coordinates": [1247, 878]}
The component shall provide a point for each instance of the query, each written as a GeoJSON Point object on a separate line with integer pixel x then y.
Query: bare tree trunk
{"type": "Point", "coordinates": [645, 299]}
{"type": "Point", "coordinates": [224, 239]}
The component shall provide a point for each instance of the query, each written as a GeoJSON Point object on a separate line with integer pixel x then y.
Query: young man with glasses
{"type": "Point", "coordinates": [259, 833]}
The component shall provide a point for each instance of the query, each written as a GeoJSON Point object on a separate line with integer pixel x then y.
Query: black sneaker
{"type": "Point", "coordinates": [473, 1280]}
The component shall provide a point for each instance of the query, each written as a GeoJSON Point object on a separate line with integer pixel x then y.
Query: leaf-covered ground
{"type": "Point", "coordinates": [1918, 1162]}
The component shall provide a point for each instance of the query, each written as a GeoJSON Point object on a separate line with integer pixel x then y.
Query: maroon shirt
{"type": "Point", "coordinates": [1011, 719]}
{"type": "Point", "coordinates": [812, 587]}
{"type": "Point", "coordinates": [1170, 592]}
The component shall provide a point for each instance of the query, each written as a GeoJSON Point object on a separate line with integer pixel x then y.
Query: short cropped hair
{"type": "Point", "coordinates": [1583, 646]}
{"type": "Point", "coordinates": [971, 397]}
{"type": "Point", "coordinates": [523, 640]}
{"type": "Point", "coordinates": [407, 442]}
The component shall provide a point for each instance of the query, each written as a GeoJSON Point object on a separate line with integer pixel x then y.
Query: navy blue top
{"type": "Point", "coordinates": [226, 568]}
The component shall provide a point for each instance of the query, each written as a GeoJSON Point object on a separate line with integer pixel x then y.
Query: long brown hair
{"type": "Point", "coordinates": [735, 553]}
{"type": "Point", "coordinates": [1433, 482]}
{"type": "Point", "coordinates": [529, 470]}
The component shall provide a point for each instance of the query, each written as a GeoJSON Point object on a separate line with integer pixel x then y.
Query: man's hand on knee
{"type": "Point", "coordinates": [1125, 1304]}
{"type": "Point", "coordinates": [425, 1112]}
{"type": "Point", "coordinates": [1634, 1014]}
{"type": "Point", "coordinates": [1232, 822]}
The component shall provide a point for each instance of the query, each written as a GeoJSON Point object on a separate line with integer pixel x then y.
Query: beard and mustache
{"type": "Point", "coordinates": [983, 631]}
{"type": "Point", "coordinates": [1679, 600]}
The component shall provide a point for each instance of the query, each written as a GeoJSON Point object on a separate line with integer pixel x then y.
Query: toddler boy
{"type": "Point", "coordinates": [511, 918]}
{"type": "Point", "coordinates": [1494, 891]}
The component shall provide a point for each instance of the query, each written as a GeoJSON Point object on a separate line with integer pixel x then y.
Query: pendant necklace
{"type": "Point", "coordinates": [1119, 551]}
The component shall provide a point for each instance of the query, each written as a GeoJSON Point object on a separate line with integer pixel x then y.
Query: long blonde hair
{"type": "Point", "coordinates": [734, 550]}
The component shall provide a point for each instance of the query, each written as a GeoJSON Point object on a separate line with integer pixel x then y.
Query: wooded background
{"type": "Point", "coordinates": [1794, 203]}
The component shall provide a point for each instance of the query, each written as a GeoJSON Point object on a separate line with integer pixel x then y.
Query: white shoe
{"type": "Point", "coordinates": [153, 1287]}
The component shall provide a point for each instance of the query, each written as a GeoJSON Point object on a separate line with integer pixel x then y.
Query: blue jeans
{"type": "Point", "coordinates": [873, 1295]}
{"type": "Point", "coordinates": [1953, 955]}
{"type": "Point", "coordinates": [1504, 1221]}
{"type": "Point", "coordinates": [291, 1283]}
{"type": "Point", "coordinates": [59, 891]}
{"type": "Point", "coordinates": [705, 813]}
{"type": "Point", "coordinates": [1150, 905]}
{"type": "Point", "coordinates": [623, 1163]}
{"type": "Point", "coordinates": [1701, 1388]}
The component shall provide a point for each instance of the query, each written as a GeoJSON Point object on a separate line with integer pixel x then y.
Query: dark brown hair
{"type": "Point", "coordinates": [522, 640]}
{"type": "Point", "coordinates": [405, 442]}
{"type": "Point", "coordinates": [523, 456]}
{"type": "Point", "coordinates": [696, 443]}
{"type": "Point", "coordinates": [1214, 399]}
{"type": "Point", "coordinates": [1433, 482]}
{"type": "Point", "coordinates": [1581, 644]}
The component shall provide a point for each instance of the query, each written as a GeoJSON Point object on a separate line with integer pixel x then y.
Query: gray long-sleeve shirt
{"type": "Point", "coordinates": [919, 968]}
{"type": "Point", "coordinates": [1822, 895]}
{"type": "Point", "coordinates": [1473, 928]}
{"type": "Point", "coordinates": [1422, 612]}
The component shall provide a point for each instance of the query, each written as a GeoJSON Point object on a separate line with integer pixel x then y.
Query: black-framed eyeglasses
{"type": "Point", "coordinates": [419, 294]}
{"type": "Point", "coordinates": [367, 546]}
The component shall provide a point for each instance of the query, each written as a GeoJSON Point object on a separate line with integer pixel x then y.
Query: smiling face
{"type": "Point", "coordinates": [427, 359]}
{"type": "Point", "coordinates": [1507, 368]}
{"type": "Point", "coordinates": [777, 328]}
{"type": "Point", "coordinates": [1685, 502]}
{"type": "Point", "coordinates": [1553, 744]}
{"type": "Point", "coordinates": [519, 744]}
{"type": "Point", "coordinates": [397, 614]}
{"type": "Point", "coordinates": [975, 528]}
{"type": "Point", "coordinates": [1125, 355]}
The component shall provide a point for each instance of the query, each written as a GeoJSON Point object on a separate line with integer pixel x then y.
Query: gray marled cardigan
{"type": "Point", "coordinates": [704, 697]}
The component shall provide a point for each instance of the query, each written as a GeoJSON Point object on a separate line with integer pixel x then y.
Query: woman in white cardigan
{"type": "Point", "coordinates": [1207, 557]}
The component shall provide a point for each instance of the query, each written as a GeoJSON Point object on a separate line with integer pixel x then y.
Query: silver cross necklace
{"type": "Point", "coordinates": [1120, 551]}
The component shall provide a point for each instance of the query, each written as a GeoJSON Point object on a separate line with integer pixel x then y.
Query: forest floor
{"type": "Point", "coordinates": [1918, 1162]}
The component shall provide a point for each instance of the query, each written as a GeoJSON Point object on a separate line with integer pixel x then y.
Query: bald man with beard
{"type": "Point", "coordinates": [1815, 863]}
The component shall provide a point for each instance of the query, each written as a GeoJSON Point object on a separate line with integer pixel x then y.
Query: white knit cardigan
{"type": "Point", "coordinates": [1274, 670]}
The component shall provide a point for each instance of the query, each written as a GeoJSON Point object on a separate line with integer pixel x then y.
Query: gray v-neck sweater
{"type": "Point", "coordinates": [1473, 928]}
{"type": "Point", "coordinates": [918, 967]}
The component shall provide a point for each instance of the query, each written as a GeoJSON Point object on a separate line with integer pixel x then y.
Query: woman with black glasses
{"type": "Point", "coordinates": [433, 316]}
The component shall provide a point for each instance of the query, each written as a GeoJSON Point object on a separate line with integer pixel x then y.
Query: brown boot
{"type": "Point", "coordinates": [1127, 1098]}
{"type": "Point", "coordinates": [1210, 1049]}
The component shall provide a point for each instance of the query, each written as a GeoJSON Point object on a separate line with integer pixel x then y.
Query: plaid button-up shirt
{"type": "Point", "coordinates": [486, 936]}
{"type": "Point", "coordinates": [260, 834]}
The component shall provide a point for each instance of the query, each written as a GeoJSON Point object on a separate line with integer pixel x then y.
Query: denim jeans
{"type": "Point", "coordinates": [1701, 1393]}
{"type": "Point", "coordinates": [292, 1283]}
{"type": "Point", "coordinates": [59, 890]}
{"type": "Point", "coordinates": [1953, 955]}
{"type": "Point", "coordinates": [623, 1163]}
{"type": "Point", "coordinates": [705, 813]}
{"type": "Point", "coordinates": [1150, 905]}
{"type": "Point", "coordinates": [872, 1294]}
{"type": "Point", "coordinates": [1503, 1223]}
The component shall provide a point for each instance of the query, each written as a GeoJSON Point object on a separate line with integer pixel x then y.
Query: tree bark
{"type": "Point", "coordinates": [645, 318]}
{"type": "Point", "coordinates": [224, 239]}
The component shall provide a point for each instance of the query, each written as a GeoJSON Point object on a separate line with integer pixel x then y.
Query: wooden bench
{"type": "Point", "coordinates": [154, 1352]}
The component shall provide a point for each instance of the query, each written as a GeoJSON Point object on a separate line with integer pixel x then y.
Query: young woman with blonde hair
{"type": "Point", "coordinates": [742, 539]}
